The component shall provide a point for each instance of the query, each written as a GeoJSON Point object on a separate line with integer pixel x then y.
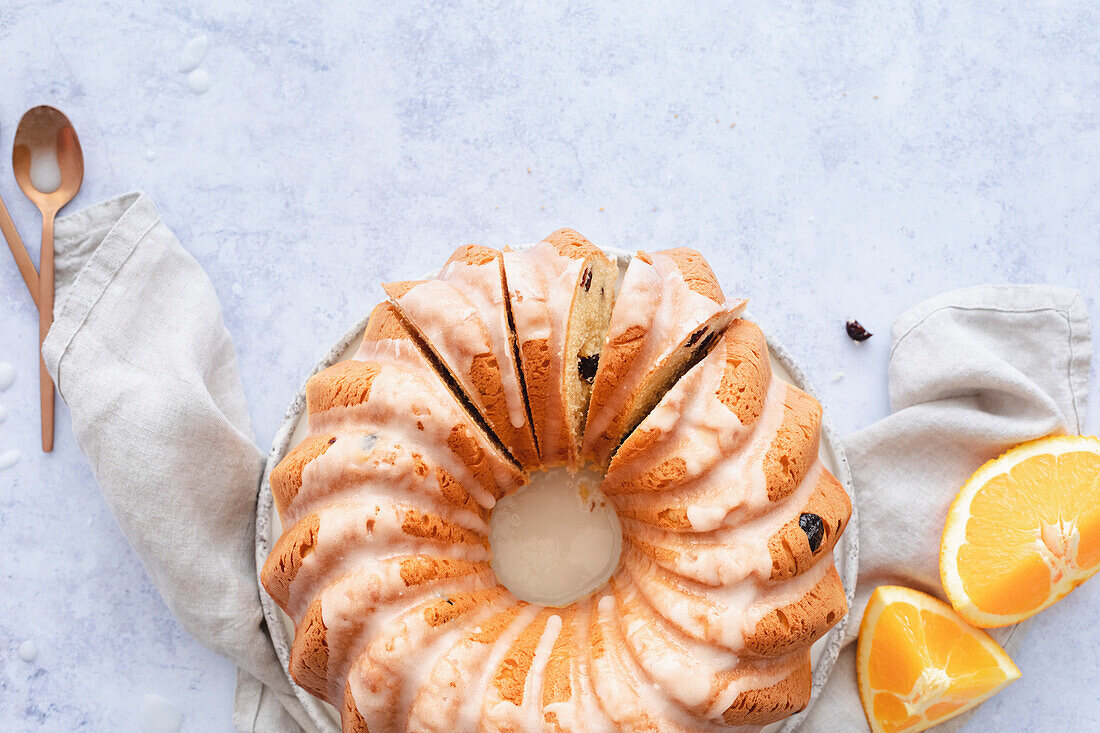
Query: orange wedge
{"type": "Point", "coordinates": [919, 663]}
{"type": "Point", "coordinates": [1024, 531]}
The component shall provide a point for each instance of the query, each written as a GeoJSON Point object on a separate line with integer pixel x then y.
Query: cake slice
{"type": "Point", "coordinates": [461, 318]}
{"type": "Point", "coordinates": [561, 292]}
{"type": "Point", "coordinates": [668, 314]}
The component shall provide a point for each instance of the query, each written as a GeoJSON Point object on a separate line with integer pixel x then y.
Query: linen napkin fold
{"type": "Point", "coordinates": [140, 354]}
{"type": "Point", "coordinates": [972, 373]}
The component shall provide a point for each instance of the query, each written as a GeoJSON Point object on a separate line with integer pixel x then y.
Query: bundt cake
{"type": "Point", "coordinates": [728, 516]}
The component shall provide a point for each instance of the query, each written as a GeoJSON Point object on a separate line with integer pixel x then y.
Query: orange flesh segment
{"type": "Point", "coordinates": [924, 667]}
{"type": "Point", "coordinates": [1029, 529]}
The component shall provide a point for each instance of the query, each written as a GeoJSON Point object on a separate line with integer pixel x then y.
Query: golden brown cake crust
{"type": "Point", "coordinates": [775, 702]}
{"type": "Point", "coordinates": [309, 653]}
{"type": "Point", "coordinates": [511, 675]}
{"type": "Point", "coordinates": [696, 272]}
{"type": "Point", "coordinates": [286, 477]}
{"type": "Point", "coordinates": [474, 254]}
{"type": "Point", "coordinates": [802, 622]}
{"type": "Point", "coordinates": [557, 685]}
{"type": "Point", "coordinates": [344, 384]}
{"type": "Point", "coordinates": [744, 385]}
{"type": "Point", "coordinates": [571, 244]}
{"type": "Point", "coordinates": [795, 448]}
{"type": "Point", "coordinates": [790, 547]}
{"type": "Point", "coordinates": [483, 384]}
{"type": "Point", "coordinates": [286, 558]}
{"type": "Point", "coordinates": [351, 721]}
{"type": "Point", "coordinates": [384, 323]}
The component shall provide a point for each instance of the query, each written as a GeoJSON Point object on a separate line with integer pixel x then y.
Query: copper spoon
{"type": "Point", "coordinates": [42, 130]}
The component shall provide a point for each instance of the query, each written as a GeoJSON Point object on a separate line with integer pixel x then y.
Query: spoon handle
{"type": "Point", "coordinates": [45, 320]}
{"type": "Point", "coordinates": [19, 252]}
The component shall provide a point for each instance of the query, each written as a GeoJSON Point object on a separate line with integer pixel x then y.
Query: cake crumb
{"type": "Point", "coordinates": [601, 208]}
{"type": "Point", "coordinates": [837, 377]}
{"type": "Point", "coordinates": [528, 170]}
{"type": "Point", "coordinates": [733, 125]}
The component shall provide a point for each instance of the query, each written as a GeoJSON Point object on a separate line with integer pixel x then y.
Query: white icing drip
{"type": "Point", "coordinates": [504, 715]}
{"type": "Point", "coordinates": [3, 413]}
{"type": "Point", "coordinates": [7, 375]}
{"type": "Point", "coordinates": [686, 670]}
{"type": "Point", "coordinates": [731, 554]}
{"type": "Point", "coordinates": [358, 607]}
{"type": "Point", "coordinates": [9, 458]}
{"type": "Point", "coordinates": [482, 285]}
{"type": "Point", "coordinates": [28, 651]}
{"type": "Point", "coordinates": [199, 81]}
{"type": "Point", "coordinates": [365, 466]}
{"type": "Point", "coordinates": [581, 713]}
{"type": "Point", "coordinates": [469, 712]}
{"type": "Point", "coordinates": [159, 715]}
{"type": "Point", "coordinates": [725, 462]}
{"type": "Point", "coordinates": [345, 545]}
{"type": "Point", "coordinates": [404, 403]}
{"type": "Point", "coordinates": [394, 665]}
{"type": "Point", "coordinates": [542, 285]}
{"type": "Point", "coordinates": [193, 54]}
{"type": "Point", "coordinates": [624, 690]}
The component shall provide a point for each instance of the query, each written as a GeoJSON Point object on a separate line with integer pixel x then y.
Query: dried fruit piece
{"type": "Point", "coordinates": [814, 528]}
{"type": "Point", "coordinates": [586, 366]}
{"type": "Point", "coordinates": [586, 279]}
{"type": "Point", "coordinates": [856, 331]}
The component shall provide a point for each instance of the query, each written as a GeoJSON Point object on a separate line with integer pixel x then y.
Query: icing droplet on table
{"type": "Point", "coordinates": [199, 81]}
{"type": "Point", "coordinates": [28, 651]}
{"type": "Point", "coordinates": [8, 459]}
{"type": "Point", "coordinates": [7, 375]}
{"type": "Point", "coordinates": [45, 171]}
{"type": "Point", "coordinates": [159, 715]}
{"type": "Point", "coordinates": [193, 54]}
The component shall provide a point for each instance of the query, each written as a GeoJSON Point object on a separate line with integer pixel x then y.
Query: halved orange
{"type": "Point", "coordinates": [1024, 531]}
{"type": "Point", "coordinates": [919, 663]}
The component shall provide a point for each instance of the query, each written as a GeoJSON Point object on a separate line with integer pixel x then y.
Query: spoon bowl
{"type": "Point", "coordinates": [46, 131]}
{"type": "Point", "coordinates": [43, 130]}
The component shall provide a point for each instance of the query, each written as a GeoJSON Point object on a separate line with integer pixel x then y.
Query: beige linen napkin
{"type": "Point", "coordinates": [141, 356]}
{"type": "Point", "coordinates": [972, 373]}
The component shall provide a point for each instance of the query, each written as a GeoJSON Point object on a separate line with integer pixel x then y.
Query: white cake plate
{"type": "Point", "coordinates": [823, 654]}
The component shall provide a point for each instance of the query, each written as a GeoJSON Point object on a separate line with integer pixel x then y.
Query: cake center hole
{"type": "Point", "coordinates": [556, 540]}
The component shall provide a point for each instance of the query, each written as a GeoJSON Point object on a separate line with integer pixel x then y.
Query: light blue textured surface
{"type": "Point", "coordinates": [832, 159]}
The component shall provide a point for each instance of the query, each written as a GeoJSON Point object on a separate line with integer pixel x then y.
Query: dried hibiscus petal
{"type": "Point", "coordinates": [856, 331]}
